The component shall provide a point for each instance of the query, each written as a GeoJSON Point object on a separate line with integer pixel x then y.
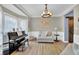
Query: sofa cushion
{"type": "Point", "coordinates": [49, 33]}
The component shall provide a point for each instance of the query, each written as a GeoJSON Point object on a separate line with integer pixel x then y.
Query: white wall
{"type": "Point", "coordinates": [76, 30]}
{"type": "Point", "coordinates": [76, 22]}
{"type": "Point", "coordinates": [1, 37]}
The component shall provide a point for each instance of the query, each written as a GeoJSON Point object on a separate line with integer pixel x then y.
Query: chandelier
{"type": "Point", "coordinates": [46, 13]}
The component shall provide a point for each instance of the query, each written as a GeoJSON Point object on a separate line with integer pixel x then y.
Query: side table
{"type": "Point", "coordinates": [56, 37]}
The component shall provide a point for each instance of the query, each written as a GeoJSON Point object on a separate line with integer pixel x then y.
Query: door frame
{"type": "Point", "coordinates": [66, 29]}
{"type": "Point", "coordinates": [70, 18]}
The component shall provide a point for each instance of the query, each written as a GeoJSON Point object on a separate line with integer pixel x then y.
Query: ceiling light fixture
{"type": "Point", "coordinates": [46, 13]}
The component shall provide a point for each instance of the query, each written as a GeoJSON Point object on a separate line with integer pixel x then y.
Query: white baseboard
{"type": "Point", "coordinates": [65, 41]}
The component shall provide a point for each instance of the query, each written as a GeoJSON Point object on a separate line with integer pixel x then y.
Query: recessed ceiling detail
{"type": "Point", "coordinates": [13, 9]}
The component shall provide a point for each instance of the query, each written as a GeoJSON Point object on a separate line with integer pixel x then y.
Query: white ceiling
{"type": "Point", "coordinates": [57, 9]}
{"type": "Point", "coordinates": [36, 9]}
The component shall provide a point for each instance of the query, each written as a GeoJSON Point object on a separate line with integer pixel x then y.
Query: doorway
{"type": "Point", "coordinates": [70, 29]}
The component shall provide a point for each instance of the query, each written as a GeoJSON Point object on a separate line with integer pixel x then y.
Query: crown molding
{"type": "Point", "coordinates": [68, 10]}
{"type": "Point", "coordinates": [51, 16]}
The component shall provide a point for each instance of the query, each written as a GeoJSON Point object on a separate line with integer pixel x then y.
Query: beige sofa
{"type": "Point", "coordinates": [45, 37]}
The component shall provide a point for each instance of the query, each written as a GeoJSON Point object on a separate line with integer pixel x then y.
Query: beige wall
{"type": "Point", "coordinates": [58, 22]}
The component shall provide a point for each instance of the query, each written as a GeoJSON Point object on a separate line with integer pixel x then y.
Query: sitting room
{"type": "Point", "coordinates": [39, 29]}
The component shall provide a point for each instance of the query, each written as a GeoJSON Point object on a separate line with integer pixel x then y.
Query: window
{"type": "Point", "coordinates": [9, 23]}
{"type": "Point", "coordinates": [23, 24]}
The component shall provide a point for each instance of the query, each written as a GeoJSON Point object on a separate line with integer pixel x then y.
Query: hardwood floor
{"type": "Point", "coordinates": [36, 48]}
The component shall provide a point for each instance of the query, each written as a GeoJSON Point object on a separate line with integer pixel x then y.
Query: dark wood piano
{"type": "Point", "coordinates": [15, 41]}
